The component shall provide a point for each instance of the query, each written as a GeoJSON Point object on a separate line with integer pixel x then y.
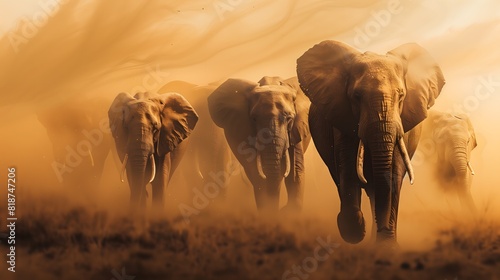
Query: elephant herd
{"type": "Point", "coordinates": [365, 113]}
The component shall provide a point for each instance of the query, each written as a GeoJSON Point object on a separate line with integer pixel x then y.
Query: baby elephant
{"type": "Point", "coordinates": [454, 139]}
{"type": "Point", "coordinates": [150, 132]}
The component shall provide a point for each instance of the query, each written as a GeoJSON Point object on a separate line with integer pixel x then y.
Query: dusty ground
{"type": "Point", "coordinates": [63, 241]}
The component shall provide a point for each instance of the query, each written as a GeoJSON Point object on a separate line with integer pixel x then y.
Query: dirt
{"type": "Point", "coordinates": [72, 242]}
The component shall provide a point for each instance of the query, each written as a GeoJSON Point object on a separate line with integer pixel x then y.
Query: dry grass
{"type": "Point", "coordinates": [63, 241]}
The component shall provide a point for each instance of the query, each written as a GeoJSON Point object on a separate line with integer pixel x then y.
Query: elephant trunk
{"type": "Point", "coordinates": [271, 163]}
{"type": "Point", "coordinates": [381, 143]}
{"type": "Point", "coordinates": [287, 165]}
{"type": "Point", "coordinates": [139, 157]}
{"type": "Point", "coordinates": [136, 174]}
{"type": "Point", "coordinates": [404, 154]}
{"type": "Point", "coordinates": [270, 159]}
{"type": "Point", "coordinates": [460, 161]}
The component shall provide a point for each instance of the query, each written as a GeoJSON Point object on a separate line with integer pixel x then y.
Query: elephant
{"type": "Point", "coordinates": [151, 135]}
{"type": "Point", "coordinates": [265, 124]}
{"type": "Point", "coordinates": [208, 150]}
{"type": "Point", "coordinates": [454, 139]}
{"type": "Point", "coordinates": [365, 121]}
{"type": "Point", "coordinates": [81, 141]}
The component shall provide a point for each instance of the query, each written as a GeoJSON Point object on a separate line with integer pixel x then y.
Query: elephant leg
{"type": "Point", "coordinates": [266, 193]}
{"type": "Point", "coordinates": [160, 181]}
{"type": "Point", "coordinates": [267, 198]}
{"type": "Point", "coordinates": [322, 133]}
{"type": "Point", "coordinates": [295, 180]}
{"type": "Point", "coordinates": [220, 171]}
{"type": "Point", "coordinates": [350, 219]}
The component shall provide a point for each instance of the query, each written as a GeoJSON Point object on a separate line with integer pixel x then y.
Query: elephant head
{"type": "Point", "coordinates": [146, 128]}
{"type": "Point", "coordinates": [454, 139]}
{"type": "Point", "coordinates": [80, 140]}
{"type": "Point", "coordinates": [454, 132]}
{"type": "Point", "coordinates": [375, 99]}
{"type": "Point", "coordinates": [262, 121]}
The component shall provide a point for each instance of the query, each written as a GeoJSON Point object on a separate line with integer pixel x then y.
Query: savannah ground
{"type": "Point", "coordinates": [60, 238]}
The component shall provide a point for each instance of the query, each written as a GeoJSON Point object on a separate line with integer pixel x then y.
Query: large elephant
{"type": "Point", "coordinates": [265, 124]}
{"type": "Point", "coordinates": [81, 141]}
{"type": "Point", "coordinates": [454, 139]}
{"type": "Point", "coordinates": [208, 158]}
{"type": "Point", "coordinates": [150, 133]}
{"type": "Point", "coordinates": [364, 120]}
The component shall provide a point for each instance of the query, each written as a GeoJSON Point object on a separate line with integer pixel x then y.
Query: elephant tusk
{"type": "Point", "coordinates": [158, 143]}
{"type": "Point", "coordinates": [470, 168]}
{"type": "Point", "coordinates": [153, 172]}
{"type": "Point", "coordinates": [287, 162]}
{"type": "Point", "coordinates": [406, 159]}
{"type": "Point", "coordinates": [124, 166]}
{"type": "Point", "coordinates": [259, 167]}
{"type": "Point", "coordinates": [91, 158]}
{"type": "Point", "coordinates": [197, 166]}
{"type": "Point", "coordinates": [359, 162]}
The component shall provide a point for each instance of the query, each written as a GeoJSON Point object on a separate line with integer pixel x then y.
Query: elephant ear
{"type": "Point", "coordinates": [229, 108]}
{"type": "Point", "coordinates": [424, 81]}
{"type": "Point", "coordinates": [228, 104]}
{"type": "Point", "coordinates": [177, 86]}
{"type": "Point", "coordinates": [178, 119]}
{"type": "Point", "coordinates": [117, 114]}
{"type": "Point", "coordinates": [323, 73]}
{"type": "Point", "coordinates": [300, 129]}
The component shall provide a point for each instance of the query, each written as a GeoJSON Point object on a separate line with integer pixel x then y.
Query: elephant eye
{"type": "Point", "coordinates": [285, 117]}
{"type": "Point", "coordinates": [357, 94]}
{"type": "Point", "coordinates": [289, 120]}
{"type": "Point", "coordinates": [290, 124]}
{"type": "Point", "coordinates": [401, 93]}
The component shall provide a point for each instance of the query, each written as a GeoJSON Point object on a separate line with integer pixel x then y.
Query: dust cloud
{"type": "Point", "coordinates": [53, 52]}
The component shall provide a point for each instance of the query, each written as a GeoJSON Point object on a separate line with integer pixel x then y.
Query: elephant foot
{"type": "Point", "coordinates": [291, 208]}
{"type": "Point", "coordinates": [386, 239]}
{"type": "Point", "coordinates": [388, 250]}
{"type": "Point", "coordinates": [158, 206]}
{"type": "Point", "coordinates": [351, 226]}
